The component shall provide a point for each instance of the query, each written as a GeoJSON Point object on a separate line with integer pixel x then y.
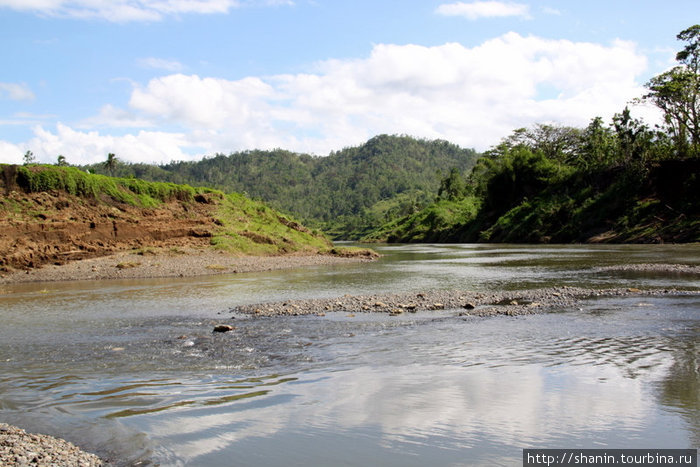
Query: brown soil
{"type": "Point", "coordinates": [37, 229]}
{"type": "Point", "coordinates": [171, 262]}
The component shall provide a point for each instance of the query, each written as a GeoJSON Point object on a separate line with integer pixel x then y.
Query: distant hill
{"type": "Point", "coordinates": [346, 194]}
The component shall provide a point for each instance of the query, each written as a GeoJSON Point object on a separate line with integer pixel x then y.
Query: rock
{"type": "Point", "coordinates": [381, 305]}
{"type": "Point", "coordinates": [469, 306]}
{"type": "Point", "coordinates": [223, 328]}
{"type": "Point", "coordinates": [395, 312]}
{"type": "Point", "coordinates": [438, 306]}
{"type": "Point", "coordinates": [634, 290]}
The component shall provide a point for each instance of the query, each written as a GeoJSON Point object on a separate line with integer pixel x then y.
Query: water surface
{"type": "Point", "coordinates": [131, 369]}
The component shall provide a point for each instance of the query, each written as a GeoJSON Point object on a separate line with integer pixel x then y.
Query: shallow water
{"type": "Point", "coordinates": [131, 370]}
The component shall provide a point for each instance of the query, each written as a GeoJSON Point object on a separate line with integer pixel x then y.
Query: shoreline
{"type": "Point", "coordinates": [177, 262]}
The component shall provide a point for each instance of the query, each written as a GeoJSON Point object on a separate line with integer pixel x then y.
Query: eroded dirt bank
{"type": "Point", "coordinates": [43, 228]}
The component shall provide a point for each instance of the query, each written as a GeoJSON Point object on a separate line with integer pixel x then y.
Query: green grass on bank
{"type": "Point", "coordinates": [251, 227]}
{"type": "Point", "coordinates": [131, 191]}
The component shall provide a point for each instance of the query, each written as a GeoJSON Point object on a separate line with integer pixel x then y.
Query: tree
{"type": "Point", "coordinates": [598, 149]}
{"type": "Point", "coordinates": [61, 161]}
{"type": "Point", "coordinates": [634, 139]}
{"type": "Point", "coordinates": [29, 158]}
{"type": "Point", "coordinates": [677, 93]}
{"type": "Point", "coordinates": [557, 142]}
{"type": "Point", "coordinates": [452, 187]}
{"type": "Point", "coordinates": [111, 163]}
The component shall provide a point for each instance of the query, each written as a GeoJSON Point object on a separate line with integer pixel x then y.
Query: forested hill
{"type": "Point", "coordinates": [346, 193]}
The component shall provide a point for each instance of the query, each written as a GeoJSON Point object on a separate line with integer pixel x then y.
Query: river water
{"type": "Point", "coordinates": [132, 371]}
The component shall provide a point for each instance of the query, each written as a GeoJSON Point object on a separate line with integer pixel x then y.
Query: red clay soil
{"type": "Point", "coordinates": [53, 228]}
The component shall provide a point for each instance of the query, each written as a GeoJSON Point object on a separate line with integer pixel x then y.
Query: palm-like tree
{"type": "Point", "coordinates": [111, 163]}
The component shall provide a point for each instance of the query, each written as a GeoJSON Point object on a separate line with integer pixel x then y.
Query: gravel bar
{"type": "Point", "coordinates": [661, 268]}
{"type": "Point", "coordinates": [469, 302]}
{"type": "Point", "coordinates": [19, 448]}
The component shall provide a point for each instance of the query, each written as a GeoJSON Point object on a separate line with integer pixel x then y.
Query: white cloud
{"type": "Point", "coordinates": [16, 91]}
{"type": "Point", "coordinates": [129, 10]}
{"type": "Point", "coordinates": [470, 96]}
{"type": "Point", "coordinates": [114, 117]}
{"type": "Point", "coordinates": [485, 9]}
{"type": "Point", "coordinates": [87, 147]}
{"type": "Point", "coordinates": [10, 153]}
{"type": "Point", "coordinates": [160, 64]}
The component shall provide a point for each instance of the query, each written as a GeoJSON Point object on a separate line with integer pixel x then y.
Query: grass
{"type": "Point", "coordinates": [250, 227]}
{"type": "Point", "coordinates": [131, 191]}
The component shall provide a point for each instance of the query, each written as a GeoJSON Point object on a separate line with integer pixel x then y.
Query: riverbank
{"type": "Point", "coordinates": [19, 448]}
{"type": "Point", "coordinates": [176, 262]}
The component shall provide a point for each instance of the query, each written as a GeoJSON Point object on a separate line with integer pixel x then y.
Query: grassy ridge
{"type": "Point", "coordinates": [131, 191]}
{"type": "Point", "coordinates": [251, 227]}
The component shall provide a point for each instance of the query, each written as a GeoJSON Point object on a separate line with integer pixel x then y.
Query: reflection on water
{"type": "Point", "coordinates": [132, 370]}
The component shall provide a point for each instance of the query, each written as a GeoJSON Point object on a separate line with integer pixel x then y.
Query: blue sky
{"type": "Point", "coordinates": [154, 81]}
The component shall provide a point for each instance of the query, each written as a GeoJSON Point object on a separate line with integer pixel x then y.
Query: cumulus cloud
{"type": "Point", "coordinates": [129, 10]}
{"type": "Point", "coordinates": [87, 147]}
{"type": "Point", "coordinates": [485, 9]}
{"type": "Point", "coordinates": [16, 91]}
{"type": "Point", "coordinates": [472, 96]}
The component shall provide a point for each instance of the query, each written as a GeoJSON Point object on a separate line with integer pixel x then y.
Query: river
{"type": "Point", "coordinates": [131, 370]}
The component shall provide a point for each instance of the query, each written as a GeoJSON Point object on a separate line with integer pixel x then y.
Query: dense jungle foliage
{"type": "Point", "coordinates": [622, 182]}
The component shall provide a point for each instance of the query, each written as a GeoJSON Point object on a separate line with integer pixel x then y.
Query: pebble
{"type": "Point", "coordinates": [19, 448]}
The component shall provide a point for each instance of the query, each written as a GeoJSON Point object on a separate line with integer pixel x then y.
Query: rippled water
{"type": "Point", "coordinates": [131, 370]}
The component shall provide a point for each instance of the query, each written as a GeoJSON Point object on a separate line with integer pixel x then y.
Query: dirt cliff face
{"type": "Point", "coordinates": [54, 227]}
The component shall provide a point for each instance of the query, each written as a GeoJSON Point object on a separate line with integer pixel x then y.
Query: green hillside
{"type": "Point", "coordinates": [345, 194]}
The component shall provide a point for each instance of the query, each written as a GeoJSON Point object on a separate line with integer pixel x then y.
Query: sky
{"type": "Point", "coordinates": [161, 80]}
